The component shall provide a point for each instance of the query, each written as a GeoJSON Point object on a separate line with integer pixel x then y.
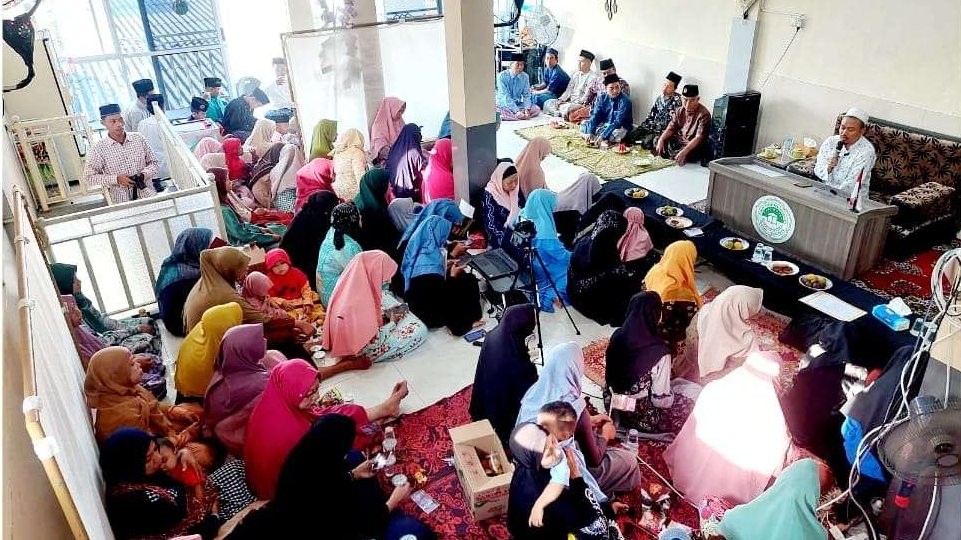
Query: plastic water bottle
{"type": "Point", "coordinates": [758, 253]}
{"type": "Point", "coordinates": [633, 440]}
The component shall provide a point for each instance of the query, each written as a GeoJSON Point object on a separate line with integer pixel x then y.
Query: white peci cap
{"type": "Point", "coordinates": [860, 114]}
{"type": "Point", "coordinates": [466, 209]}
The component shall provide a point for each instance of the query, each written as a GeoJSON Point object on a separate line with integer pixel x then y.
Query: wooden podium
{"type": "Point", "coordinates": [826, 235]}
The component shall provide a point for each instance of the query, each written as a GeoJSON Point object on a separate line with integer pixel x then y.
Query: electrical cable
{"type": "Point", "coordinates": [778, 63]}
{"type": "Point", "coordinates": [666, 483]}
{"type": "Point", "coordinates": [927, 519]}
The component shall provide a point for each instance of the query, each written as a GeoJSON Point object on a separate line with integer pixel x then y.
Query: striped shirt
{"type": "Point", "coordinates": [109, 159]}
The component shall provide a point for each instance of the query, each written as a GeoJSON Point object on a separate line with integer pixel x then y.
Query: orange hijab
{"type": "Point", "coordinates": [673, 278]}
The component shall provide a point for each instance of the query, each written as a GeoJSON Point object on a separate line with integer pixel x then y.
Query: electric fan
{"type": "Point", "coordinates": [541, 25]}
{"type": "Point", "coordinates": [926, 448]}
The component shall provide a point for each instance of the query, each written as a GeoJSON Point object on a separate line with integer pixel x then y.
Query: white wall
{"type": "Point", "coordinates": [900, 61]}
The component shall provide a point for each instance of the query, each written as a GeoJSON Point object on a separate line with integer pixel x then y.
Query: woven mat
{"type": "Point", "coordinates": [568, 145]}
{"type": "Point", "coordinates": [425, 444]}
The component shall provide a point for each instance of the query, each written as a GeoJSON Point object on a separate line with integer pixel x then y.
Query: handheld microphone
{"type": "Point", "coordinates": [837, 149]}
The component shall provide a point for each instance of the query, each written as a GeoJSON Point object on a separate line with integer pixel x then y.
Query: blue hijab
{"type": "Point", "coordinates": [405, 162]}
{"type": "Point", "coordinates": [184, 259]}
{"type": "Point", "coordinates": [444, 208]}
{"type": "Point", "coordinates": [540, 209]}
{"type": "Point", "coordinates": [423, 255]}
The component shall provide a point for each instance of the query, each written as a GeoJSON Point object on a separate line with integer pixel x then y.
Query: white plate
{"type": "Point", "coordinates": [679, 213]}
{"type": "Point", "coordinates": [747, 244]}
{"type": "Point", "coordinates": [629, 192]}
{"type": "Point", "coordinates": [827, 286]}
{"type": "Point", "coordinates": [642, 162]}
{"type": "Point", "coordinates": [678, 222]}
{"type": "Point", "coordinates": [794, 267]}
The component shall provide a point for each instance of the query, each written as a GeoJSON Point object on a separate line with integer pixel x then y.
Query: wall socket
{"type": "Point", "coordinates": [799, 21]}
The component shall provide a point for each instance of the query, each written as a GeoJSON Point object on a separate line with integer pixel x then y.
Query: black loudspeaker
{"type": "Point", "coordinates": [735, 124]}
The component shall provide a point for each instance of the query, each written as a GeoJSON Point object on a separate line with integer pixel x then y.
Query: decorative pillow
{"type": "Point", "coordinates": [929, 200]}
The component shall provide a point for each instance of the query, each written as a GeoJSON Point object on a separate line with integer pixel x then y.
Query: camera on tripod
{"type": "Point", "coordinates": [523, 234]}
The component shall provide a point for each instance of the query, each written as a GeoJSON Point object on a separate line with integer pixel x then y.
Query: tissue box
{"type": "Point", "coordinates": [486, 495]}
{"type": "Point", "coordinates": [891, 319]}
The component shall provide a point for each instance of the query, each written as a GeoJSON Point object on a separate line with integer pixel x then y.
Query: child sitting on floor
{"type": "Point", "coordinates": [256, 289]}
{"type": "Point", "coordinates": [291, 288]}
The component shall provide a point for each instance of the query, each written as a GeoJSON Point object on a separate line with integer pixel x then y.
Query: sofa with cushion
{"type": "Point", "coordinates": [917, 171]}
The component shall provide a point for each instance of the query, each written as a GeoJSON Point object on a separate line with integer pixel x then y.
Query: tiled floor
{"type": "Point", "coordinates": [445, 364]}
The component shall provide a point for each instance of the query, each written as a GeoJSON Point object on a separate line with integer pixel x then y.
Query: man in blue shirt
{"type": "Point", "coordinates": [555, 80]}
{"type": "Point", "coordinates": [514, 92]}
{"type": "Point", "coordinates": [613, 116]}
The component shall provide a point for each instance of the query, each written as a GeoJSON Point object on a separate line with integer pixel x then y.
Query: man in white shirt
{"type": "Point", "coordinates": [122, 162]}
{"type": "Point", "coordinates": [577, 89]}
{"type": "Point", "coordinates": [150, 129]}
{"type": "Point", "coordinates": [137, 110]}
{"type": "Point", "coordinates": [279, 91]}
{"type": "Point", "coordinates": [845, 160]}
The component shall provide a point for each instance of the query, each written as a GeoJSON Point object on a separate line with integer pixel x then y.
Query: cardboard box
{"type": "Point", "coordinates": [486, 496]}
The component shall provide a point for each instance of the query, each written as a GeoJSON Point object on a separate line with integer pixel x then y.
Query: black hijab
{"type": "Point", "coordinates": [314, 492]}
{"type": "Point", "coordinates": [598, 252]}
{"type": "Point", "coordinates": [878, 403]}
{"type": "Point", "coordinates": [504, 371]}
{"type": "Point", "coordinates": [345, 220]}
{"type": "Point", "coordinates": [635, 348]}
{"type": "Point", "coordinates": [609, 201]}
{"type": "Point", "coordinates": [307, 231]}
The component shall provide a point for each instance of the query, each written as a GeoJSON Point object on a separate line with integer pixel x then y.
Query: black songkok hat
{"type": "Point", "coordinates": [212, 82]}
{"type": "Point", "coordinates": [198, 104]}
{"type": "Point", "coordinates": [518, 57]}
{"type": "Point", "coordinates": [674, 78]}
{"type": "Point", "coordinates": [551, 50]}
{"type": "Point", "coordinates": [587, 54]}
{"type": "Point", "coordinates": [607, 63]}
{"type": "Point", "coordinates": [690, 90]}
{"type": "Point", "coordinates": [260, 95]}
{"type": "Point", "coordinates": [611, 79]}
{"type": "Point", "coordinates": [280, 116]}
{"type": "Point", "coordinates": [107, 110]}
{"type": "Point", "coordinates": [142, 86]}
{"type": "Point", "coordinates": [155, 98]}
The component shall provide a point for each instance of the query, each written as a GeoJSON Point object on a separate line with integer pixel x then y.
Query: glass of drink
{"type": "Point", "coordinates": [633, 439]}
{"type": "Point", "coordinates": [389, 445]}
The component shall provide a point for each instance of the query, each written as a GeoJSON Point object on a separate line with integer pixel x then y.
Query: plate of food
{"type": "Point", "coordinates": [669, 211]}
{"type": "Point", "coordinates": [679, 222]}
{"type": "Point", "coordinates": [734, 243]}
{"type": "Point", "coordinates": [642, 161]}
{"type": "Point", "coordinates": [558, 124]}
{"type": "Point", "coordinates": [621, 149]}
{"type": "Point", "coordinates": [815, 282]}
{"type": "Point", "coordinates": [782, 268]}
{"type": "Point", "coordinates": [636, 192]}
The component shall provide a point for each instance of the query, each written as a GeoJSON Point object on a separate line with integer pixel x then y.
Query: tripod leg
{"type": "Point", "coordinates": [553, 286]}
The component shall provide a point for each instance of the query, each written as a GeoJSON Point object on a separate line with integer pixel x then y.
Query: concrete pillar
{"type": "Point", "coordinates": [469, 29]}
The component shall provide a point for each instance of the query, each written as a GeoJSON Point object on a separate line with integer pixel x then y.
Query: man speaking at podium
{"type": "Point", "coordinates": [845, 160]}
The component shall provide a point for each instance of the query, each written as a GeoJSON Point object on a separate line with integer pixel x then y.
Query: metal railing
{"type": "Point", "coordinates": [51, 151]}
{"type": "Point", "coordinates": [31, 409]}
{"type": "Point", "coordinates": [118, 249]}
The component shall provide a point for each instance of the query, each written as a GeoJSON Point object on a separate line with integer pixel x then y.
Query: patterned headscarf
{"type": "Point", "coordinates": [345, 219]}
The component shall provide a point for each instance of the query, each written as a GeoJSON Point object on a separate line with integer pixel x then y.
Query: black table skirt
{"type": "Point", "coordinates": [781, 293]}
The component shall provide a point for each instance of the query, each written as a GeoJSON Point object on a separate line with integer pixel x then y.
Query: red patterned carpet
{"type": "Point", "coordinates": [424, 443]}
{"type": "Point", "coordinates": [910, 279]}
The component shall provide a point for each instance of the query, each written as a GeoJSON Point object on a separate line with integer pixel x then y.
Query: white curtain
{"type": "Point", "coordinates": [343, 74]}
{"type": "Point", "coordinates": [59, 378]}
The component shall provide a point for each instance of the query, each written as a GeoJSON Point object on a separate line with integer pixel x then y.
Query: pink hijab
{"type": "Point", "coordinates": [254, 290]}
{"type": "Point", "coordinates": [387, 124]}
{"type": "Point", "coordinates": [207, 145]}
{"type": "Point", "coordinates": [636, 242]}
{"type": "Point", "coordinates": [354, 311]}
{"type": "Point", "coordinates": [736, 438]}
{"type": "Point", "coordinates": [440, 177]}
{"type": "Point", "coordinates": [495, 187]}
{"type": "Point", "coordinates": [318, 175]}
{"type": "Point", "coordinates": [530, 175]}
{"type": "Point", "coordinates": [723, 331]}
{"type": "Point", "coordinates": [277, 424]}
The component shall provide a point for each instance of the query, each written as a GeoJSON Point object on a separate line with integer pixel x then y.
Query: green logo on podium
{"type": "Point", "coordinates": [773, 219]}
